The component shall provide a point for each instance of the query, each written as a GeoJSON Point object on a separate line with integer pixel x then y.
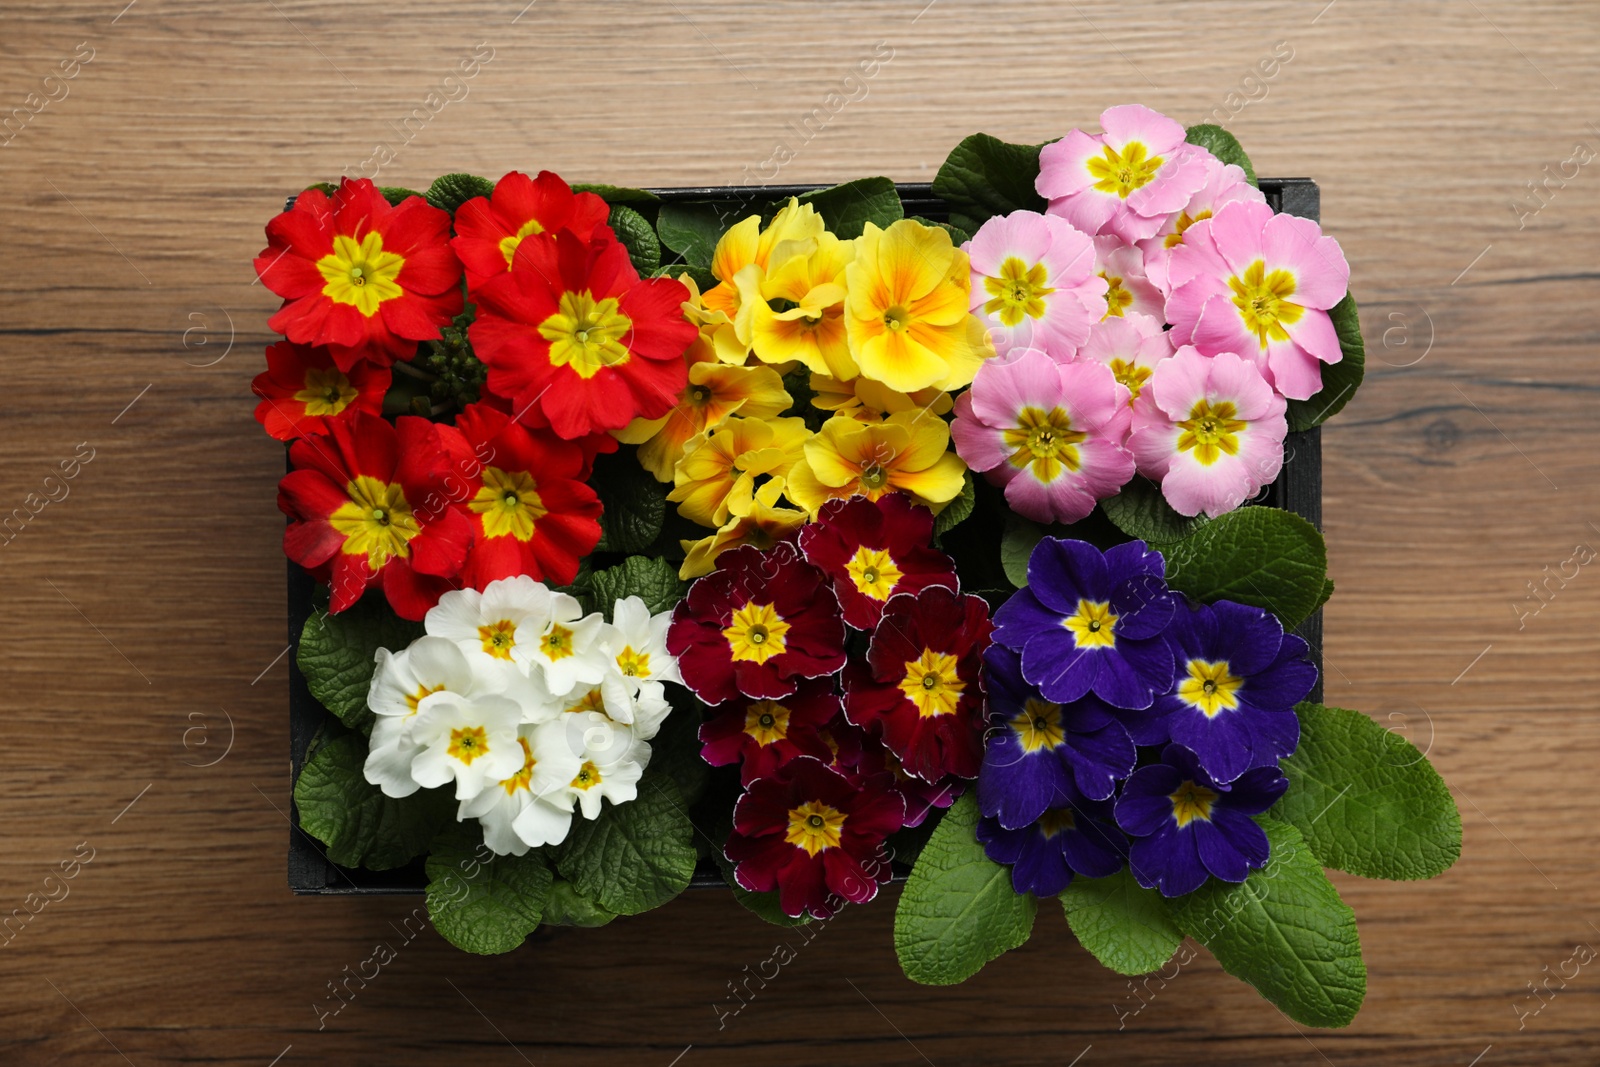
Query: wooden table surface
{"type": "Point", "coordinates": [145, 608]}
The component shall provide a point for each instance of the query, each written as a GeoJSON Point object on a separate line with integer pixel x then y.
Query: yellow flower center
{"type": "Point", "coordinates": [1093, 625]}
{"type": "Point", "coordinates": [896, 318]}
{"type": "Point", "coordinates": [588, 776]}
{"type": "Point", "coordinates": [1210, 431]}
{"type": "Point", "coordinates": [1210, 687]}
{"type": "Point", "coordinates": [509, 503]}
{"type": "Point", "coordinates": [767, 721]}
{"type": "Point", "coordinates": [633, 664]}
{"type": "Point", "coordinates": [1122, 173]}
{"type": "Point", "coordinates": [1044, 440]}
{"type": "Point", "coordinates": [1118, 298]}
{"type": "Point", "coordinates": [1131, 375]}
{"type": "Point", "coordinates": [361, 274]}
{"type": "Point", "coordinates": [556, 644]}
{"type": "Point", "coordinates": [590, 701]}
{"type": "Point", "coordinates": [376, 521]}
{"type": "Point", "coordinates": [1191, 802]}
{"type": "Point", "coordinates": [1184, 222]}
{"type": "Point", "coordinates": [468, 743]}
{"type": "Point", "coordinates": [932, 684]}
{"type": "Point", "coordinates": [1018, 291]}
{"type": "Point", "coordinates": [873, 572]}
{"type": "Point", "coordinates": [1038, 725]}
{"type": "Point", "coordinates": [521, 778]}
{"type": "Point", "coordinates": [1263, 302]}
{"type": "Point", "coordinates": [499, 638]}
{"type": "Point", "coordinates": [508, 245]}
{"type": "Point", "coordinates": [413, 699]}
{"type": "Point", "coordinates": [1056, 821]}
{"type": "Point", "coordinates": [874, 478]}
{"type": "Point", "coordinates": [327, 392]}
{"type": "Point", "coordinates": [586, 334]}
{"type": "Point", "coordinates": [814, 826]}
{"type": "Point", "coordinates": [756, 633]}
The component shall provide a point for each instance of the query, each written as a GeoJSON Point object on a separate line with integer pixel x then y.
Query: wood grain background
{"type": "Point", "coordinates": [145, 609]}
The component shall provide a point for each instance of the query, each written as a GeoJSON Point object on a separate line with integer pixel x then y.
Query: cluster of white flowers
{"type": "Point", "coordinates": [530, 706]}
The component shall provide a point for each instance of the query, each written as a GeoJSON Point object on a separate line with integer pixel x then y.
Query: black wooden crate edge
{"type": "Point", "coordinates": [1298, 489]}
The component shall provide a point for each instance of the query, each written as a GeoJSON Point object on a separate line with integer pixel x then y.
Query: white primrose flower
{"type": "Point", "coordinates": [638, 643]}
{"type": "Point", "coordinates": [613, 760]}
{"type": "Point", "coordinates": [400, 682]}
{"type": "Point", "coordinates": [388, 763]}
{"type": "Point", "coordinates": [549, 764]}
{"type": "Point", "coordinates": [571, 647]}
{"type": "Point", "coordinates": [498, 627]}
{"type": "Point", "coordinates": [650, 708]}
{"type": "Point", "coordinates": [471, 739]}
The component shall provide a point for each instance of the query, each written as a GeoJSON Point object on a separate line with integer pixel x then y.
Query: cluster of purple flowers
{"type": "Point", "coordinates": [1128, 724]}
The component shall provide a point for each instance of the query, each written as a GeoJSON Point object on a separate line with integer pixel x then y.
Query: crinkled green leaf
{"type": "Point", "coordinates": [984, 176]}
{"type": "Point", "coordinates": [1222, 144]}
{"type": "Point", "coordinates": [481, 902]}
{"type": "Point", "coordinates": [1262, 556]}
{"type": "Point", "coordinates": [1123, 925]}
{"type": "Point", "coordinates": [1285, 931]}
{"type": "Point", "coordinates": [849, 207]}
{"type": "Point", "coordinates": [635, 503]}
{"type": "Point", "coordinates": [635, 856]}
{"type": "Point", "coordinates": [1366, 800]}
{"type": "Point", "coordinates": [675, 750]}
{"type": "Point", "coordinates": [396, 194]}
{"type": "Point", "coordinates": [1016, 547]}
{"type": "Point", "coordinates": [692, 230]}
{"type": "Point", "coordinates": [449, 191]}
{"type": "Point", "coordinates": [359, 825]}
{"type": "Point", "coordinates": [1339, 380]}
{"type": "Point", "coordinates": [337, 652]}
{"type": "Point", "coordinates": [958, 509]}
{"type": "Point", "coordinates": [958, 910]}
{"type": "Point", "coordinates": [1141, 512]}
{"type": "Point", "coordinates": [565, 906]}
{"type": "Point", "coordinates": [638, 236]}
{"type": "Point", "coordinates": [655, 581]}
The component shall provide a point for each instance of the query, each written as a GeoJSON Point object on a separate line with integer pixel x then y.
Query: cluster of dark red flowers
{"type": "Point", "coordinates": [835, 756]}
{"type": "Point", "coordinates": [574, 341]}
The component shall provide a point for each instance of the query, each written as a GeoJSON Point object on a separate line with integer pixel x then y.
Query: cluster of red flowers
{"type": "Point", "coordinates": [575, 342]}
{"type": "Point", "coordinates": [835, 758]}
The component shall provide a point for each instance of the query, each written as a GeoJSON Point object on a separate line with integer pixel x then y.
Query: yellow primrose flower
{"type": "Point", "coordinates": [716, 328]}
{"type": "Point", "coordinates": [907, 452]}
{"type": "Point", "coordinates": [715, 391]}
{"type": "Point", "coordinates": [762, 523]}
{"type": "Point", "coordinates": [794, 310]}
{"type": "Point", "coordinates": [907, 314]}
{"type": "Point", "coordinates": [719, 468]}
{"type": "Point", "coordinates": [867, 400]}
{"type": "Point", "coordinates": [746, 244]}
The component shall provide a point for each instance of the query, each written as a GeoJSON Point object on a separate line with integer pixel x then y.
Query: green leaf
{"type": "Point", "coordinates": [1327, 593]}
{"type": "Point", "coordinates": [692, 230]}
{"type": "Point", "coordinates": [849, 207]}
{"type": "Point", "coordinates": [565, 906]}
{"type": "Point", "coordinates": [1222, 144]}
{"type": "Point", "coordinates": [481, 902]}
{"type": "Point", "coordinates": [1285, 931]}
{"type": "Point", "coordinates": [1339, 380]}
{"type": "Point", "coordinates": [361, 826]}
{"type": "Point", "coordinates": [1366, 800]}
{"type": "Point", "coordinates": [1123, 925]}
{"type": "Point", "coordinates": [984, 176]}
{"type": "Point", "coordinates": [1017, 545]}
{"type": "Point", "coordinates": [675, 750]}
{"type": "Point", "coordinates": [635, 856]}
{"type": "Point", "coordinates": [336, 655]}
{"type": "Point", "coordinates": [450, 191]}
{"type": "Point", "coordinates": [1256, 555]}
{"type": "Point", "coordinates": [958, 509]}
{"type": "Point", "coordinates": [397, 194]}
{"type": "Point", "coordinates": [638, 236]}
{"type": "Point", "coordinates": [1141, 512]}
{"type": "Point", "coordinates": [655, 581]}
{"type": "Point", "coordinates": [617, 194]}
{"type": "Point", "coordinates": [958, 910]}
{"type": "Point", "coordinates": [634, 502]}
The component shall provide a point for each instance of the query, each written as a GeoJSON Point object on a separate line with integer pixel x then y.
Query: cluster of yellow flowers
{"type": "Point", "coordinates": [882, 327]}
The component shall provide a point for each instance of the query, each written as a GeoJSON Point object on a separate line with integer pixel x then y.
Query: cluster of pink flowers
{"type": "Point", "coordinates": [1155, 320]}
